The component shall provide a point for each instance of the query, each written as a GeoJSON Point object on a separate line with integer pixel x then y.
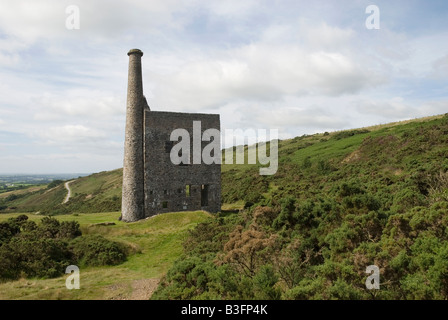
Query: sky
{"type": "Point", "coordinates": [301, 67]}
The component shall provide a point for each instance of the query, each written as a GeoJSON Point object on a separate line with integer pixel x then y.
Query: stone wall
{"type": "Point", "coordinates": [169, 187]}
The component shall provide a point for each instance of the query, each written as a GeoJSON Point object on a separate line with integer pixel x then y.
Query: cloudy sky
{"type": "Point", "coordinates": [298, 66]}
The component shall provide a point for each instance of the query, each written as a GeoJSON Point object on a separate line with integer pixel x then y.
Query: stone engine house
{"type": "Point", "coordinates": [152, 183]}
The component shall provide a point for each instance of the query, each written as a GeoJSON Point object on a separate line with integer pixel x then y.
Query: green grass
{"type": "Point", "coordinates": [156, 243]}
{"type": "Point", "coordinates": [105, 184]}
{"type": "Point", "coordinates": [238, 205]}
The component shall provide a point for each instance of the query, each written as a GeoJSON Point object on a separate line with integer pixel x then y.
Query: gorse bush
{"type": "Point", "coordinates": [54, 183]}
{"type": "Point", "coordinates": [28, 249]}
{"type": "Point", "coordinates": [94, 250]}
{"type": "Point", "coordinates": [30, 256]}
{"type": "Point", "coordinates": [349, 133]}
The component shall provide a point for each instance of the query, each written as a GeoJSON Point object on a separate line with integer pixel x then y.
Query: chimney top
{"type": "Point", "coordinates": [135, 51]}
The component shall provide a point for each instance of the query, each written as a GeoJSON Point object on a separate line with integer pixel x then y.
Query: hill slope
{"type": "Point", "coordinates": [389, 152]}
{"type": "Point", "coordinates": [339, 203]}
{"type": "Point", "coordinates": [99, 192]}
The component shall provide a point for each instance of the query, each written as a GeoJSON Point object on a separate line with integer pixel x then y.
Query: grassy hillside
{"type": "Point", "coordinates": [306, 162]}
{"type": "Point", "coordinates": [339, 202]}
{"type": "Point", "coordinates": [156, 243]}
{"type": "Point", "coordinates": [100, 192]}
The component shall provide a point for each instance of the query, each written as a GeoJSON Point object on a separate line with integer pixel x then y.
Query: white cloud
{"type": "Point", "coordinates": [312, 116]}
{"type": "Point", "coordinates": [261, 72]}
{"type": "Point", "coordinates": [33, 21]}
{"type": "Point", "coordinates": [400, 109]}
{"type": "Point", "coordinates": [66, 162]}
{"type": "Point", "coordinates": [421, 55]}
{"type": "Point", "coordinates": [29, 20]}
{"type": "Point", "coordinates": [70, 134]}
{"type": "Point", "coordinates": [391, 108]}
{"type": "Point", "coordinates": [432, 108]}
{"type": "Point", "coordinates": [75, 104]}
{"type": "Point", "coordinates": [325, 37]}
{"type": "Point", "coordinates": [440, 68]}
{"type": "Point", "coordinates": [231, 8]}
{"type": "Point", "coordinates": [9, 59]}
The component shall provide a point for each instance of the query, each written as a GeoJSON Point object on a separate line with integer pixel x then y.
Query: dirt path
{"type": "Point", "coordinates": [69, 192]}
{"type": "Point", "coordinates": [143, 289]}
{"type": "Point", "coordinates": [140, 290]}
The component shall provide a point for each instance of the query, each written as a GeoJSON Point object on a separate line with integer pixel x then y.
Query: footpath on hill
{"type": "Point", "coordinates": [141, 290]}
{"type": "Point", "coordinates": [69, 192]}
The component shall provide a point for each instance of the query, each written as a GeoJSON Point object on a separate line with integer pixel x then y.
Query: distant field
{"type": "Point", "coordinates": [156, 241]}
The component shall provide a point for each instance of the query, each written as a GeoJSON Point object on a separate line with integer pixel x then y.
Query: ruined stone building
{"type": "Point", "coordinates": [152, 183]}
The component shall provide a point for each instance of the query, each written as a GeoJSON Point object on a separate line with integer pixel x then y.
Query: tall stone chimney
{"type": "Point", "coordinates": [132, 204]}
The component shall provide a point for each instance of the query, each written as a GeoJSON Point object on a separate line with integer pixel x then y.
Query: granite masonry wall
{"type": "Point", "coordinates": [170, 187]}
